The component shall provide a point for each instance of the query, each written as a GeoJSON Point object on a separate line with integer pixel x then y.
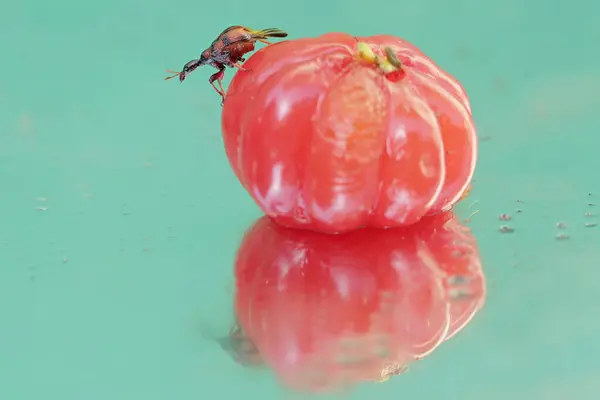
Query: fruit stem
{"type": "Point", "coordinates": [387, 64]}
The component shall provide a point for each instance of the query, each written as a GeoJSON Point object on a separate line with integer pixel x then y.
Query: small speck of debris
{"type": "Point", "coordinates": [506, 229]}
{"type": "Point", "coordinates": [457, 253]}
{"type": "Point", "coordinates": [504, 217]}
{"type": "Point", "coordinates": [42, 208]}
{"type": "Point", "coordinates": [65, 260]}
{"type": "Point", "coordinates": [518, 211]}
{"type": "Point", "coordinates": [393, 370]}
{"type": "Point", "coordinates": [520, 201]}
{"type": "Point", "coordinates": [457, 280]}
{"type": "Point", "coordinates": [589, 215]}
{"type": "Point", "coordinates": [591, 205]}
{"type": "Point", "coordinates": [591, 224]}
{"type": "Point", "coordinates": [472, 204]}
{"type": "Point", "coordinates": [562, 236]}
{"type": "Point", "coordinates": [471, 216]}
{"type": "Point", "coordinates": [561, 225]}
{"type": "Point", "coordinates": [458, 294]}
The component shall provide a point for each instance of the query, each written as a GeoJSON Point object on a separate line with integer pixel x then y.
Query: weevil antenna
{"type": "Point", "coordinates": [174, 74]}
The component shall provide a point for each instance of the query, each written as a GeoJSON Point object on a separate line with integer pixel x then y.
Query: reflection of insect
{"type": "Point", "coordinates": [227, 50]}
{"type": "Point", "coordinates": [243, 351]}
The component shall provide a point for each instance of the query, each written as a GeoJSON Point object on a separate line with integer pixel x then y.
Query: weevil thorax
{"type": "Point", "coordinates": [216, 46]}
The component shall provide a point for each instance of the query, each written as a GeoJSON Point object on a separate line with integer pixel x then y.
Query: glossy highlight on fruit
{"type": "Point", "coordinates": [326, 138]}
{"type": "Point", "coordinates": [329, 311]}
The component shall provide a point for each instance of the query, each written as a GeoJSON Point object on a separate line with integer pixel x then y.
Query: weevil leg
{"type": "Point", "coordinates": [240, 67]}
{"type": "Point", "coordinates": [218, 77]}
{"type": "Point", "coordinates": [264, 41]}
{"type": "Point", "coordinates": [218, 90]}
{"type": "Point", "coordinates": [220, 83]}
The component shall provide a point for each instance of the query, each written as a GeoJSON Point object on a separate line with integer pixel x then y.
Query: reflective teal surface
{"type": "Point", "coordinates": [120, 217]}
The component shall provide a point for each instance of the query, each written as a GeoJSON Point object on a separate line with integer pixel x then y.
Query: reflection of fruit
{"type": "Point", "coordinates": [327, 311]}
{"type": "Point", "coordinates": [335, 132]}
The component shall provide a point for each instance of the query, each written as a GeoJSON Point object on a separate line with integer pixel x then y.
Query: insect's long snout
{"type": "Point", "coordinates": [189, 67]}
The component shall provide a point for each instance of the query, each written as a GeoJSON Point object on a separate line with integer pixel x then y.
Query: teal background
{"type": "Point", "coordinates": [120, 217]}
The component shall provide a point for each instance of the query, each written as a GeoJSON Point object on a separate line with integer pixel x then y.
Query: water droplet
{"type": "Point", "coordinates": [561, 225]}
{"type": "Point", "coordinates": [562, 236]}
{"type": "Point", "coordinates": [506, 229]}
{"type": "Point", "coordinates": [519, 211]}
{"type": "Point", "coordinates": [42, 208]}
{"type": "Point", "coordinates": [504, 217]}
{"type": "Point", "coordinates": [590, 224]}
